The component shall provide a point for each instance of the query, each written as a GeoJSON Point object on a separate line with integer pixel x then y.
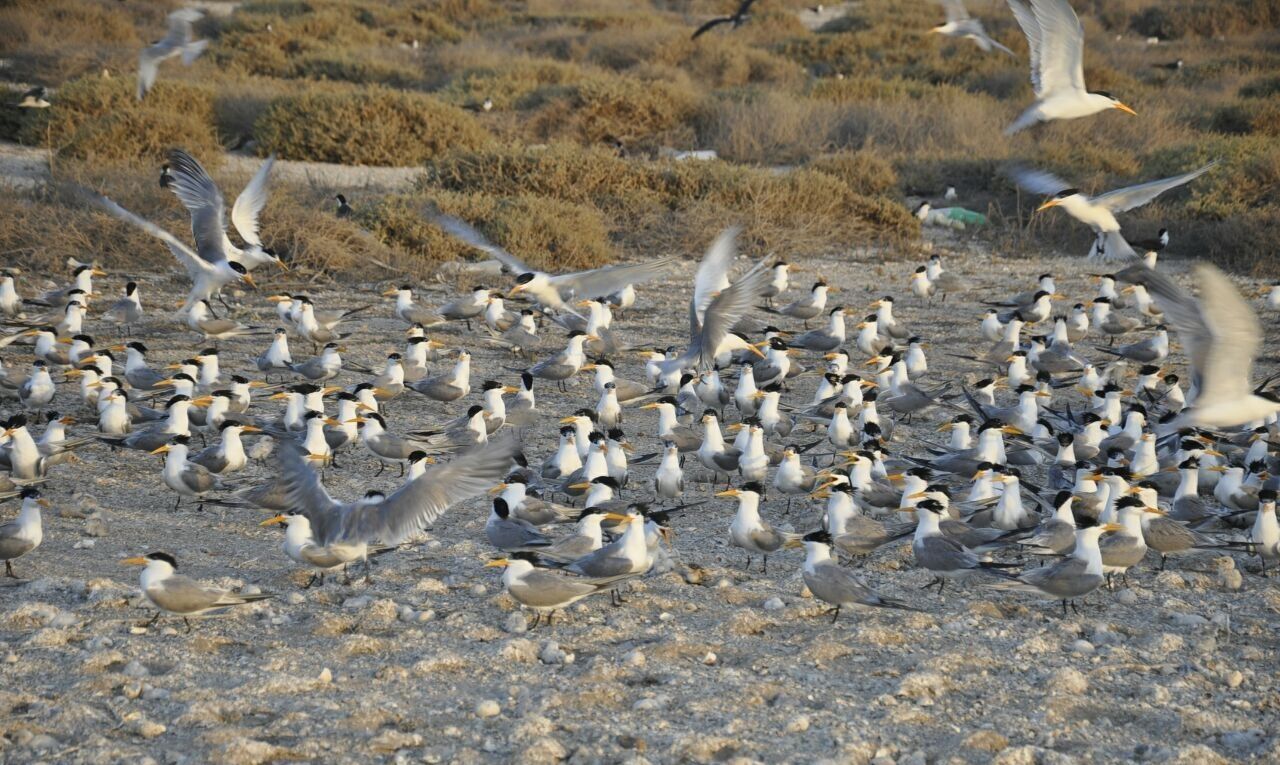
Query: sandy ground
{"type": "Point", "coordinates": [1177, 666]}
{"type": "Point", "coordinates": [25, 167]}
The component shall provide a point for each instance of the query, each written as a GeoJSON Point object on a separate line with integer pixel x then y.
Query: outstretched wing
{"type": "Point", "coordinates": [955, 10]}
{"type": "Point", "coordinates": [423, 500]}
{"type": "Point", "coordinates": [244, 215]}
{"type": "Point", "coordinates": [1038, 181]}
{"type": "Point", "coordinates": [1060, 49]}
{"type": "Point", "coordinates": [599, 282]}
{"type": "Point", "coordinates": [460, 229]}
{"type": "Point", "coordinates": [1031, 28]}
{"type": "Point", "coordinates": [200, 195]}
{"type": "Point", "coordinates": [713, 273]}
{"type": "Point", "coordinates": [1136, 196]}
{"type": "Point", "coordinates": [194, 264]}
{"type": "Point", "coordinates": [727, 309]}
{"type": "Point", "coordinates": [305, 495]}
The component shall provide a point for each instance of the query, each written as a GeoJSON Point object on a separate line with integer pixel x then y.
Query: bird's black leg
{"type": "Point", "coordinates": [1064, 609]}
{"type": "Point", "coordinates": [551, 617]}
{"type": "Point", "coordinates": [765, 568]}
{"type": "Point", "coordinates": [310, 582]}
{"type": "Point", "coordinates": [8, 570]}
{"type": "Point", "coordinates": [835, 614]}
{"type": "Point", "coordinates": [187, 622]}
{"type": "Point", "coordinates": [537, 619]}
{"type": "Point", "coordinates": [1163, 558]}
{"type": "Point", "coordinates": [747, 567]}
{"type": "Point", "coordinates": [224, 304]}
{"type": "Point", "coordinates": [381, 467]}
{"type": "Point", "coordinates": [153, 620]}
{"type": "Point", "coordinates": [346, 573]}
{"type": "Point", "coordinates": [402, 470]}
{"type": "Point", "coordinates": [176, 502]}
{"type": "Point", "coordinates": [1109, 585]}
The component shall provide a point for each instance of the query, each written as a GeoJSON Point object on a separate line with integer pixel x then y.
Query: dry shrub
{"type": "Point", "coordinates": [102, 120]}
{"type": "Point", "coordinates": [509, 83]}
{"type": "Point", "coordinates": [362, 42]}
{"type": "Point", "coordinates": [51, 41]}
{"type": "Point", "coordinates": [768, 128]}
{"type": "Point", "coordinates": [547, 233]}
{"type": "Point", "coordinates": [1173, 20]}
{"type": "Point", "coordinates": [371, 126]}
{"type": "Point", "coordinates": [629, 109]}
{"type": "Point", "coordinates": [864, 172]}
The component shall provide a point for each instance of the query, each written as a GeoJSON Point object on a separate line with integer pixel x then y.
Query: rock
{"type": "Point", "coordinates": [488, 708]}
{"type": "Point", "coordinates": [1068, 681]}
{"type": "Point", "coordinates": [1127, 597]}
{"type": "Point", "coordinates": [1082, 647]}
{"type": "Point", "coordinates": [633, 658]}
{"type": "Point", "coordinates": [650, 704]}
{"type": "Point", "coordinates": [1243, 742]}
{"type": "Point", "coordinates": [357, 602]}
{"type": "Point", "coordinates": [798, 724]}
{"type": "Point", "coordinates": [295, 598]}
{"type": "Point", "coordinates": [63, 620]}
{"type": "Point", "coordinates": [96, 526]}
{"type": "Point", "coordinates": [985, 741]}
{"type": "Point", "coordinates": [1233, 679]}
{"type": "Point", "coordinates": [135, 669]}
{"type": "Point", "coordinates": [148, 729]}
{"type": "Point", "coordinates": [520, 651]}
{"type": "Point", "coordinates": [1020, 755]}
{"type": "Point", "coordinates": [407, 614]}
{"type": "Point", "coordinates": [326, 676]}
{"type": "Point", "coordinates": [923, 686]}
{"type": "Point", "coordinates": [710, 659]}
{"type": "Point", "coordinates": [515, 623]}
{"type": "Point", "coordinates": [478, 590]}
{"type": "Point", "coordinates": [1197, 754]}
{"type": "Point", "coordinates": [774, 604]}
{"type": "Point", "coordinates": [1188, 620]}
{"type": "Point", "coordinates": [551, 654]}
{"type": "Point", "coordinates": [392, 740]}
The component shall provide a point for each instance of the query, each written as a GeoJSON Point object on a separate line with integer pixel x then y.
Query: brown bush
{"type": "Point", "coordinates": [864, 172]}
{"type": "Point", "coordinates": [371, 126]}
{"type": "Point", "coordinates": [51, 41]}
{"type": "Point", "coordinates": [102, 120]}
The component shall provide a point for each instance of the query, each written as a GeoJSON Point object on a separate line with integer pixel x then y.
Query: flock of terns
{"type": "Point", "coordinates": [1096, 456]}
{"type": "Point", "coordinates": [1072, 451]}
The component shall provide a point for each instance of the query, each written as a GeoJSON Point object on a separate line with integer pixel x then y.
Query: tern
{"type": "Point", "coordinates": [1222, 336]}
{"type": "Point", "coordinates": [544, 591]}
{"type": "Point", "coordinates": [736, 19]}
{"type": "Point", "coordinates": [1069, 579]}
{"type": "Point", "coordinates": [748, 530]}
{"type": "Point", "coordinates": [178, 41]}
{"type": "Point", "coordinates": [300, 546]}
{"type": "Point", "coordinates": [1055, 38]}
{"type": "Point", "coordinates": [24, 533]}
{"type": "Point", "coordinates": [837, 586]}
{"type": "Point", "coordinates": [552, 291]}
{"type": "Point", "coordinates": [1099, 212]}
{"type": "Point", "coordinates": [961, 25]}
{"type": "Point", "coordinates": [178, 595]}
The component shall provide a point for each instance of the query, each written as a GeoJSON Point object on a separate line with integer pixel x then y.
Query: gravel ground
{"type": "Point", "coordinates": [432, 662]}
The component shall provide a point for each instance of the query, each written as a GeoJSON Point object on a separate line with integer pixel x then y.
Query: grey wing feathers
{"type": "Point", "coordinates": [200, 195]}
{"type": "Point", "coordinates": [727, 308]}
{"type": "Point", "coordinates": [305, 495]}
{"type": "Point", "coordinates": [1038, 181]}
{"type": "Point", "coordinates": [1134, 196]}
{"type": "Point", "coordinates": [1236, 334]}
{"type": "Point", "coordinates": [1061, 45]}
{"type": "Point", "coordinates": [1031, 28]}
{"type": "Point", "coordinates": [599, 282]}
{"type": "Point", "coordinates": [426, 498]}
{"type": "Point", "coordinates": [712, 273]}
{"type": "Point", "coordinates": [185, 255]}
{"type": "Point", "coordinates": [467, 233]}
{"type": "Point", "coordinates": [955, 9]}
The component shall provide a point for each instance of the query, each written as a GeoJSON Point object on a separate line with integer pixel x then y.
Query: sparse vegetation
{"type": "Point", "coordinates": [820, 135]}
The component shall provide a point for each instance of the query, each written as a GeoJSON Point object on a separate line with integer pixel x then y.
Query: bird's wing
{"type": "Point", "coordinates": [183, 595]}
{"type": "Point", "coordinates": [185, 255]}
{"type": "Point", "coordinates": [1135, 196]}
{"type": "Point", "coordinates": [1180, 309]}
{"type": "Point", "coordinates": [244, 215]}
{"type": "Point", "coordinates": [955, 10]}
{"type": "Point", "coordinates": [426, 498]}
{"type": "Point", "coordinates": [599, 282]}
{"type": "Point", "coordinates": [1038, 181]}
{"type": "Point", "coordinates": [947, 555]}
{"type": "Point", "coordinates": [180, 22]}
{"type": "Point", "coordinates": [304, 493]}
{"type": "Point", "coordinates": [546, 588]}
{"type": "Point", "coordinates": [743, 7]}
{"type": "Point", "coordinates": [1031, 28]}
{"type": "Point", "coordinates": [460, 229]}
{"type": "Point", "coordinates": [200, 195]}
{"type": "Point", "coordinates": [1236, 334]}
{"type": "Point", "coordinates": [148, 69]}
{"type": "Point", "coordinates": [1044, 576]}
{"type": "Point", "coordinates": [728, 308]}
{"type": "Point", "coordinates": [1061, 47]}
{"type": "Point", "coordinates": [713, 273]}
{"type": "Point", "coordinates": [710, 25]}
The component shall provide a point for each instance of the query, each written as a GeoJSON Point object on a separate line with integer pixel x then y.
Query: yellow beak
{"type": "Point", "coordinates": [272, 520]}
{"type": "Point", "coordinates": [1047, 205]}
{"type": "Point", "coordinates": [161, 450]}
{"type": "Point", "coordinates": [1126, 109]}
{"type": "Point", "coordinates": [136, 561]}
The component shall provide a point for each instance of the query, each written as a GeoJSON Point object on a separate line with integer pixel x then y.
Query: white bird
{"type": "Point", "coordinates": [189, 181]}
{"type": "Point", "coordinates": [961, 25]}
{"type": "Point", "coordinates": [178, 41]}
{"type": "Point", "coordinates": [1221, 336]}
{"type": "Point", "coordinates": [1099, 213]}
{"type": "Point", "coordinates": [173, 593]}
{"type": "Point", "coordinates": [1056, 41]}
{"type": "Point", "coordinates": [551, 291]}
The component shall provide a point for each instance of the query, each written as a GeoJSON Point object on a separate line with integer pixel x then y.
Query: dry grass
{"type": "Point", "coordinates": [866, 110]}
{"type": "Point", "coordinates": [101, 120]}
{"type": "Point", "coordinates": [371, 126]}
